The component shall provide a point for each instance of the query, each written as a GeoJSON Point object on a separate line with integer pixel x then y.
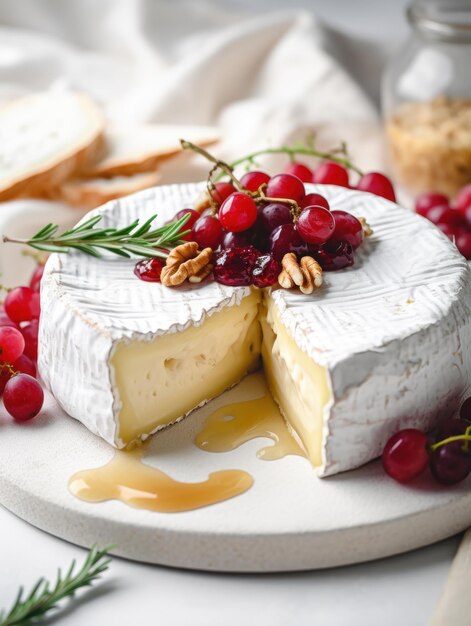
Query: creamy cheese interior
{"type": "Point", "coordinates": [162, 380]}
{"type": "Point", "coordinates": [298, 384]}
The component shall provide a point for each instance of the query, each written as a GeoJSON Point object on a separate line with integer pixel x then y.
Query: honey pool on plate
{"type": "Point", "coordinates": [129, 479]}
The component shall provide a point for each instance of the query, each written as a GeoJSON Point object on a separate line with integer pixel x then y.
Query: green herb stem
{"type": "Point", "coordinates": [45, 597]}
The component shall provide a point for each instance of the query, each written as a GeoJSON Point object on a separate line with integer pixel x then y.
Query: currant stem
{"type": "Point", "coordinates": [466, 437]}
{"type": "Point", "coordinates": [9, 368]}
{"type": "Point", "coordinates": [225, 167]}
{"type": "Point", "coordinates": [293, 152]}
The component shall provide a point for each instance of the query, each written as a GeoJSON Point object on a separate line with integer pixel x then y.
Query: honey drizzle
{"type": "Point", "coordinates": [232, 425]}
{"type": "Point", "coordinates": [128, 479]}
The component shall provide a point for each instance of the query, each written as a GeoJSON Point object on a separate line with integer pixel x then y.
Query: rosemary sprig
{"type": "Point", "coordinates": [43, 597]}
{"type": "Point", "coordinates": [136, 238]}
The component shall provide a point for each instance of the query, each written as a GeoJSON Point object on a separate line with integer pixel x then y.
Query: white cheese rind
{"type": "Point", "coordinates": [393, 332]}
{"type": "Point", "coordinates": [90, 305]}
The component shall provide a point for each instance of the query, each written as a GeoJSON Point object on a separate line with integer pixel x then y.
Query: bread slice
{"type": "Point", "coordinates": [134, 149]}
{"type": "Point", "coordinates": [92, 192]}
{"type": "Point", "coordinates": [44, 139]}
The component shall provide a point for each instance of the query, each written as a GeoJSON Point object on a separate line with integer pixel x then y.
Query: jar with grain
{"type": "Point", "coordinates": [426, 99]}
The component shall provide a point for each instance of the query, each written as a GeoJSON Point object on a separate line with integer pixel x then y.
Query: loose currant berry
{"type": "Point", "coordinates": [450, 464]}
{"type": "Point", "coordinates": [237, 240]}
{"type": "Point", "coordinates": [314, 199]}
{"type": "Point", "coordinates": [207, 232]}
{"type": "Point", "coordinates": [446, 215]}
{"type": "Point", "coordinates": [465, 410]}
{"type": "Point", "coordinates": [463, 199]}
{"type": "Point", "coordinates": [149, 270]}
{"type": "Point", "coordinates": [234, 266]}
{"type": "Point", "coordinates": [377, 183]}
{"type": "Point", "coordinates": [315, 225]}
{"type": "Point", "coordinates": [222, 191]}
{"type": "Point", "coordinates": [194, 217]}
{"type": "Point", "coordinates": [463, 243]}
{"type": "Point", "coordinates": [35, 281]}
{"type": "Point", "coordinates": [273, 215]}
{"type": "Point", "coordinates": [252, 181]}
{"type": "Point", "coordinates": [265, 271]}
{"type": "Point", "coordinates": [301, 170]}
{"type": "Point", "coordinates": [405, 454]}
{"type": "Point", "coordinates": [12, 344]}
{"type": "Point", "coordinates": [331, 173]}
{"type": "Point", "coordinates": [30, 334]}
{"type": "Point", "coordinates": [429, 200]}
{"type": "Point", "coordinates": [347, 228]}
{"type": "Point", "coordinates": [285, 186]}
{"type": "Point", "coordinates": [285, 239]}
{"type": "Point", "coordinates": [23, 397]}
{"type": "Point", "coordinates": [22, 304]}
{"type": "Point", "coordinates": [238, 212]}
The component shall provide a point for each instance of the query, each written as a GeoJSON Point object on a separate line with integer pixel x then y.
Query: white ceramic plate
{"type": "Point", "coordinates": [288, 520]}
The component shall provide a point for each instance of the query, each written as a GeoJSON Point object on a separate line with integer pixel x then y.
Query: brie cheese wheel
{"type": "Point", "coordinates": [381, 346]}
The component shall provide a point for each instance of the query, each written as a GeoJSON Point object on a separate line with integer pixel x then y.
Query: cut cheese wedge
{"type": "Point", "coordinates": [382, 346]}
{"type": "Point", "coordinates": [46, 138]}
{"type": "Point", "coordinates": [134, 149]}
{"type": "Point", "coordinates": [89, 193]}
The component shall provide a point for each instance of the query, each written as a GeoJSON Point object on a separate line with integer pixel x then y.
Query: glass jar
{"type": "Point", "coordinates": [426, 98]}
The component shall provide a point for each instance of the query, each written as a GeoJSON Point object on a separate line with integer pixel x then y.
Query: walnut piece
{"type": "Point", "coordinates": [186, 262]}
{"type": "Point", "coordinates": [367, 230]}
{"type": "Point", "coordinates": [307, 275]}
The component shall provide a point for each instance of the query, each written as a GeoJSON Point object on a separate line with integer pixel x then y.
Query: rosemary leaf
{"type": "Point", "coordinates": [45, 597]}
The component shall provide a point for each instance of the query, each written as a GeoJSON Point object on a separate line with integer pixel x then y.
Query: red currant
{"type": "Point", "coordinates": [234, 266]}
{"type": "Point", "coordinates": [5, 320]}
{"type": "Point", "coordinates": [252, 181]}
{"type": "Point", "coordinates": [149, 270]}
{"type": "Point", "coordinates": [23, 397]}
{"type": "Point", "coordinates": [35, 281]}
{"type": "Point", "coordinates": [207, 232]}
{"type": "Point", "coordinates": [445, 215]}
{"type": "Point", "coordinates": [12, 344]}
{"type": "Point", "coordinates": [377, 183]}
{"type": "Point", "coordinates": [238, 212]}
{"type": "Point", "coordinates": [447, 230]}
{"type": "Point", "coordinates": [285, 239]}
{"type": "Point", "coordinates": [405, 454]}
{"type": "Point", "coordinates": [463, 199]}
{"type": "Point", "coordinates": [451, 428]}
{"type": "Point", "coordinates": [273, 215]}
{"type": "Point", "coordinates": [335, 255]}
{"type": "Point", "coordinates": [463, 243]}
{"type": "Point", "coordinates": [24, 365]}
{"type": "Point", "coordinates": [450, 464]}
{"type": "Point", "coordinates": [314, 199]}
{"type": "Point", "coordinates": [285, 186]}
{"type": "Point", "coordinates": [331, 173]}
{"type": "Point", "coordinates": [30, 334]}
{"type": "Point", "coordinates": [22, 304]}
{"type": "Point", "coordinates": [194, 216]}
{"type": "Point", "coordinates": [315, 225]}
{"type": "Point", "coordinates": [429, 200]}
{"type": "Point", "coordinates": [265, 271]}
{"type": "Point", "coordinates": [237, 240]}
{"type": "Point", "coordinates": [347, 228]}
{"type": "Point", "coordinates": [465, 410]}
{"type": "Point", "coordinates": [222, 191]}
{"type": "Point", "coordinates": [301, 170]}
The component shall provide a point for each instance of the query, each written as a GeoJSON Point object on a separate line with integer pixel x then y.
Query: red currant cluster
{"type": "Point", "coordinates": [252, 223]}
{"type": "Point", "coordinates": [453, 219]}
{"type": "Point", "coordinates": [19, 322]}
{"type": "Point", "coordinates": [448, 452]}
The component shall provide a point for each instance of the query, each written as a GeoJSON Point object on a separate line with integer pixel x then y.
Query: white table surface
{"type": "Point", "coordinates": [399, 590]}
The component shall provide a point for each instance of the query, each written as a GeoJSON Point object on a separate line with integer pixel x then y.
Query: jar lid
{"type": "Point", "coordinates": [441, 19]}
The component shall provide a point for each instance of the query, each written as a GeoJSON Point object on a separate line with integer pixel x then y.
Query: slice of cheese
{"type": "Point", "coordinates": [382, 346]}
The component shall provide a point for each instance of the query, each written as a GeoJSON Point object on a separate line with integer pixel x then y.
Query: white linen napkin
{"type": "Point", "coordinates": [262, 80]}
